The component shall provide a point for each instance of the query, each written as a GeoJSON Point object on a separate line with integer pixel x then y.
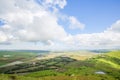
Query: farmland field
{"type": "Point", "coordinates": [61, 66]}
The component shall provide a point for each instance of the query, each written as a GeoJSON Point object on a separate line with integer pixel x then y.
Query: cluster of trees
{"type": "Point", "coordinates": [41, 65]}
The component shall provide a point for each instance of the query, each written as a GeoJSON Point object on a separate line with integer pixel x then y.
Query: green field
{"type": "Point", "coordinates": [99, 67]}
{"type": "Point", "coordinates": [11, 56]}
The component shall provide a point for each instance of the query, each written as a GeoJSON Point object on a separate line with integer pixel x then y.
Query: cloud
{"type": "Point", "coordinates": [75, 24]}
{"type": "Point", "coordinates": [51, 43]}
{"type": "Point", "coordinates": [110, 38]}
{"type": "Point", "coordinates": [34, 21]}
{"type": "Point", "coordinates": [3, 37]}
{"type": "Point", "coordinates": [53, 3]}
{"type": "Point", "coordinates": [98, 39]}
{"type": "Point", "coordinates": [115, 27]}
{"type": "Point", "coordinates": [28, 21]}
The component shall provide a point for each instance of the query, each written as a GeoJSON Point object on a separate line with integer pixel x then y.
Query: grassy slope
{"type": "Point", "coordinates": [90, 77]}
{"type": "Point", "coordinates": [111, 58]}
{"type": "Point", "coordinates": [79, 70]}
{"type": "Point", "coordinates": [112, 64]}
{"type": "Point", "coordinates": [115, 54]}
{"type": "Point", "coordinates": [87, 68]}
{"type": "Point", "coordinates": [14, 56]}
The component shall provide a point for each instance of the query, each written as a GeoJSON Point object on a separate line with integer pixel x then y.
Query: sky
{"type": "Point", "coordinates": [59, 24]}
{"type": "Point", "coordinates": [97, 15]}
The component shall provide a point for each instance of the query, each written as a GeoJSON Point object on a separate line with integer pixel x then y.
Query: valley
{"type": "Point", "coordinates": [74, 65]}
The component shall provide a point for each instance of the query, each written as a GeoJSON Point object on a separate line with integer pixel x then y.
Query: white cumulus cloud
{"type": "Point", "coordinates": [75, 24]}
{"type": "Point", "coordinates": [54, 3]}
{"type": "Point", "coordinates": [26, 20]}
{"type": "Point", "coordinates": [34, 21]}
{"type": "Point", "coordinates": [115, 27]}
{"type": "Point", "coordinates": [110, 38]}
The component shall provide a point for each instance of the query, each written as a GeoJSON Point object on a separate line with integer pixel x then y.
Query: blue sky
{"type": "Point", "coordinates": [59, 24]}
{"type": "Point", "coordinates": [97, 15]}
{"type": "Point", "coordinates": [2, 22]}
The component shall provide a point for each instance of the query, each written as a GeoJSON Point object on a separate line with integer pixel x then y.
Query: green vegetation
{"type": "Point", "coordinates": [112, 64]}
{"type": "Point", "coordinates": [115, 54]}
{"type": "Point", "coordinates": [41, 65]}
{"type": "Point", "coordinates": [101, 67]}
{"type": "Point", "coordinates": [11, 56]}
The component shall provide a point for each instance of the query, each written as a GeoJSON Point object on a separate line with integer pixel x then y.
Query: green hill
{"type": "Point", "coordinates": [115, 54]}
{"type": "Point", "coordinates": [101, 67]}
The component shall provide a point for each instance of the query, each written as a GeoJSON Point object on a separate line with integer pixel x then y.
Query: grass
{"type": "Point", "coordinates": [114, 65]}
{"type": "Point", "coordinates": [14, 56]}
{"type": "Point", "coordinates": [89, 77]}
{"type": "Point", "coordinates": [16, 77]}
{"type": "Point", "coordinates": [70, 69]}
{"type": "Point", "coordinates": [115, 54]}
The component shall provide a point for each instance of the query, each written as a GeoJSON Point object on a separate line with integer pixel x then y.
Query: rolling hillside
{"type": "Point", "coordinates": [66, 67]}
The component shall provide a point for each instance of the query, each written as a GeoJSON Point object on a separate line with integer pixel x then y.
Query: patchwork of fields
{"type": "Point", "coordinates": [80, 65]}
